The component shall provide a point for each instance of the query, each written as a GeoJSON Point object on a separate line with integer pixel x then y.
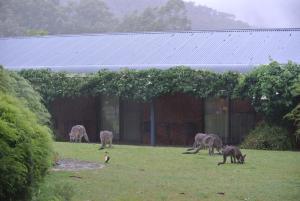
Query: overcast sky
{"type": "Point", "coordinates": [259, 13]}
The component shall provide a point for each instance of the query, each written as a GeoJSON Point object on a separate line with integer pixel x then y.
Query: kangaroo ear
{"type": "Point", "coordinates": [244, 156]}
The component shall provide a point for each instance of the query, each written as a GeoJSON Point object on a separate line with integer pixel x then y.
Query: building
{"type": "Point", "coordinates": [169, 119]}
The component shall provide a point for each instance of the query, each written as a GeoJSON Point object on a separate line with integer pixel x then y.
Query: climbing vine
{"type": "Point", "coordinates": [141, 85]}
{"type": "Point", "coordinates": [268, 87]}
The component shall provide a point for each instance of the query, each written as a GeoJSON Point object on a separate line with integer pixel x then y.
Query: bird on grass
{"type": "Point", "coordinates": [106, 157]}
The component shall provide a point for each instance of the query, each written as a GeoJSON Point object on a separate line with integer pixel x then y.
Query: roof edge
{"type": "Point", "coordinates": [158, 32]}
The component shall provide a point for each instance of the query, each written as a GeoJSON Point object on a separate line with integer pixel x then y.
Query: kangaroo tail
{"type": "Point", "coordinates": [197, 150]}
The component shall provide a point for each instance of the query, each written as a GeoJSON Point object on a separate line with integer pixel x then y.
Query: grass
{"type": "Point", "coordinates": [164, 173]}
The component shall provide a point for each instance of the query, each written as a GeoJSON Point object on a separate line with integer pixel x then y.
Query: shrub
{"type": "Point", "coordinates": [17, 86]}
{"type": "Point", "coordinates": [25, 153]}
{"type": "Point", "coordinates": [269, 137]}
{"type": "Point", "coordinates": [294, 115]}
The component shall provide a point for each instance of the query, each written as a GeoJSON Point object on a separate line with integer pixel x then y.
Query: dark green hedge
{"type": "Point", "coordinates": [268, 137]}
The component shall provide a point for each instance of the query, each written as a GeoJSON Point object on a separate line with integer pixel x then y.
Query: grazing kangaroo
{"type": "Point", "coordinates": [77, 132]}
{"type": "Point", "coordinates": [214, 142]}
{"type": "Point", "coordinates": [106, 137]}
{"type": "Point", "coordinates": [199, 138]}
{"type": "Point", "coordinates": [234, 153]}
{"type": "Point", "coordinates": [206, 140]}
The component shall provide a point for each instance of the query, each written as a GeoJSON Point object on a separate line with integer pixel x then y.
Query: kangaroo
{"type": "Point", "coordinates": [214, 142]}
{"type": "Point", "coordinates": [106, 137]}
{"type": "Point", "coordinates": [199, 138]}
{"type": "Point", "coordinates": [206, 140]}
{"type": "Point", "coordinates": [234, 153]}
{"type": "Point", "coordinates": [77, 132]}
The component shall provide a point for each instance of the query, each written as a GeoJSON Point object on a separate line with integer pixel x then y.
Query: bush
{"type": "Point", "coordinates": [17, 86]}
{"type": "Point", "coordinates": [25, 153]}
{"type": "Point", "coordinates": [294, 115]}
{"type": "Point", "coordinates": [269, 137]}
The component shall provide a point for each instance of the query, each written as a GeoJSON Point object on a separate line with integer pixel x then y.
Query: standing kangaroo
{"type": "Point", "coordinates": [206, 140]}
{"type": "Point", "coordinates": [106, 137]}
{"type": "Point", "coordinates": [77, 132]}
{"type": "Point", "coordinates": [234, 153]}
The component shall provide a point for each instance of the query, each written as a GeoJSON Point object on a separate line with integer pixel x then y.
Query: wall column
{"type": "Point", "coordinates": [229, 140]}
{"type": "Point", "coordinates": [152, 124]}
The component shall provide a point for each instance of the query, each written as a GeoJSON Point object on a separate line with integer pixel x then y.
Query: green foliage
{"type": "Point", "coordinates": [51, 84]}
{"type": "Point", "coordinates": [4, 80]}
{"type": "Point", "coordinates": [25, 153]}
{"type": "Point", "coordinates": [36, 15]}
{"type": "Point", "coordinates": [24, 140]}
{"type": "Point", "coordinates": [269, 137]}
{"type": "Point", "coordinates": [294, 115]}
{"type": "Point", "coordinates": [141, 85]}
{"type": "Point", "coordinates": [269, 87]}
{"type": "Point", "coordinates": [36, 32]}
{"type": "Point", "coordinates": [17, 86]}
{"type": "Point", "coordinates": [90, 16]}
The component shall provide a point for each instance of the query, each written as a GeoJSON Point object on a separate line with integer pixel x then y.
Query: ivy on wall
{"type": "Point", "coordinates": [140, 85]}
{"type": "Point", "coordinates": [268, 87]}
{"type": "Point", "coordinates": [53, 85]}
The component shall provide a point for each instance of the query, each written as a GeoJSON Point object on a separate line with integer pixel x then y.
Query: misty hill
{"type": "Point", "coordinates": [31, 17]}
{"type": "Point", "coordinates": [201, 17]}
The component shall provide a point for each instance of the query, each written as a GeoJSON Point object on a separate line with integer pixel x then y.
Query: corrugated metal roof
{"type": "Point", "coordinates": [218, 50]}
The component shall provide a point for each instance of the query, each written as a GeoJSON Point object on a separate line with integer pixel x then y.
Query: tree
{"type": "Point", "coordinates": [92, 16]}
{"type": "Point", "coordinates": [173, 16]}
{"type": "Point", "coordinates": [203, 17]}
{"type": "Point", "coordinates": [294, 115]}
{"type": "Point", "coordinates": [170, 17]}
{"type": "Point", "coordinates": [17, 17]}
{"type": "Point", "coordinates": [270, 89]}
{"type": "Point", "coordinates": [32, 17]}
{"type": "Point", "coordinates": [40, 17]}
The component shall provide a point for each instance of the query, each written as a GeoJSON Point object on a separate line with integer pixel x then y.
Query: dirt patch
{"type": "Point", "coordinates": [74, 165]}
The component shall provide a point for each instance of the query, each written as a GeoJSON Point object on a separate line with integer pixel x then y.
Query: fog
{"type": "Point", "coordinates": [49, 17]}
{"type": "Point", "coordinates": [259, 13]}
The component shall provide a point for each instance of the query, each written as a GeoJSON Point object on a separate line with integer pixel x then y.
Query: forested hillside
{"type": "Point", "coordinates": [201, 17]}
{"type": "Point", "coordinates": [43, 17]}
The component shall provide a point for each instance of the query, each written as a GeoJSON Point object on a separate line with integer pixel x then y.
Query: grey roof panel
{"type": "Point", "coordinates": [218, 50]}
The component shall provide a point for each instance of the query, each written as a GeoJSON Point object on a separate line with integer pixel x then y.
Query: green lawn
{"type": "Point", "coordinates": [164, 173]}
